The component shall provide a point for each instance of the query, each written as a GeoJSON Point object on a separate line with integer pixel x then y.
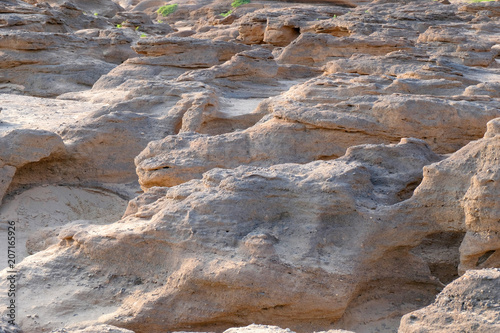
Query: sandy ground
{"type": "Point", "coordinates": [18, 111]}
{"type": "Point", "coordinates": [40, 211]}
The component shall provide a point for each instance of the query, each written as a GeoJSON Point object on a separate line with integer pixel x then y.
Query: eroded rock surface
{"type": "Point", "coordinates": [298, 221]}
{"type": "Point", "coordinates": [272, 145]}
{"type": "Point", "coordinates": [468, 304]}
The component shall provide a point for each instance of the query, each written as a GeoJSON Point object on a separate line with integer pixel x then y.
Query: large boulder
{"type": "Point", "coordinates": [469, 304]}
{"type": "Point", "coordinates": [23, 146]}
{"type": "Point", "coordinates": [287, 245]}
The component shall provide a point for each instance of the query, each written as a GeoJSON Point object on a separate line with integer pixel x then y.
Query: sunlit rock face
{"type": "Point", "coordinates": [288, 167]}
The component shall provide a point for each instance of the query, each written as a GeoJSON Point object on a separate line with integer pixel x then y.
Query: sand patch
{"type": "Point", "coordinates": [41, 113]}
{"type": "Point", "coordinates": [39, 212]}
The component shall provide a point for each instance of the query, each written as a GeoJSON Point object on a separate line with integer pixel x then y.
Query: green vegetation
{"type": "Point", "coordinates": [118, 25]}
{"type": "Point", "coordinates": [167, 9]}
{"type": "Point", "coordinates": [144, 36]}
{"type": "Point", "coordinates": [237, 3]}
{"type": "Point", "coordinates": [95, 14]}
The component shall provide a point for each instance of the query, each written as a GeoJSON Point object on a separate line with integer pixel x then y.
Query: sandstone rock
{"type": "Point", "coordinates": [93, 329]}
{"type": "Point", "coordinates": [304, 114]}
{"type": "Point", "coordinates": [280, 26]}
{"type": "Point", "coordinates": [240, 237]}
{"type": "Point", "coordinates": [493, 7]}
{"type": "Point", "coordinates": [301, 231]}
{"type": "Point", "coordinates": [252, 65]}
{"type": "Point", "coordinates": [20, 147]}
{"type": "Point", "coordinates": [472, 208]}
{"type": "Point", "coordinates": [62, 18]}
{"type": "Point", "coordinates": [317, 49]}
{"type": "Point", "coordinates": [179, 51]}
{"type": "Point", "coordinates": [106, 8]}
{"type": "Point", "coordinates": [460, 44]}
{"type": "Point", "coordinates": [270, 329]}
{"type": "Point", "coordinates": [7, 172]}
{"type": "Point", "coordinates": [17, 14]}
{"type": "Point", "coordinates": [73, 67]}
{"type": "Point", "coordinates": [40, 212]}
{"type": "Point", "coordinates": [488, 89]}
{"type": "Point", "coordinates": [257, 329]}
{"type": "Point", "coordinates": [467, 304]}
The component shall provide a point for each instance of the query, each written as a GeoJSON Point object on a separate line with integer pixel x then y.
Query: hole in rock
{"type": "Point", "coordinates": [407, 192]}
{"type": "Point", "coordinates": [441, 252]}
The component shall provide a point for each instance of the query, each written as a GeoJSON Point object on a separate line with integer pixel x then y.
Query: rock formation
{"type": "Point", "coordinates": [468, 304]}
{"type": "Point", "coordinates": [288, 166]}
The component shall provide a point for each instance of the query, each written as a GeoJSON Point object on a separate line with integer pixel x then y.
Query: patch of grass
{"type": "Point", "coordinates": [144, 36]}
{"type": "Point", "coordinates": [167, 9]}
{"type": "Point", "coordinates": [96, 14]}
{"type": "Point", "coordinates": [119, 26]}
{"type": "Point", "coordinates": [237, 3]}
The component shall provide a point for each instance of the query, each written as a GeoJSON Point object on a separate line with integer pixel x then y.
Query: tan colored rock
{"type": "Point", "coordinates": [40, 212]}
{"type": "Point", "coordinates": [106, 8]}
{"type": "Point", "coordinates": [251, 32]}
{"type": "Point", "coordinates": [280, 35]}
{"type": "Point", "coordinates": [305, 127]}
{"type": "Point", "coordinates": [493, 7]}
{"type": "Point", "coordinates": [469, 304]}
{"type": "Point", "coordinates": [258, 329]}
{"type": "Point", "coordinates": [352, 242]}
{"type": "Point", "coordinates": [61, 17]}
{"type": "Point", "coordinates": [141, 23]}
{"type": "Point", "coordinates": [93, 329]}
{"type": "Point", "coordinates": [7, 172]}
{"type": "Point", "coordinates": [318, 49]}
{"type": "Point", "coordinates": [271, 329]}
{"type": "Point", "coordinates": [291, 250]}
{"type": "Point", "coordinates": [23, 146]}
{"type": "Point", "coordinates": [179, 51]}
{"type": "Point", "coordinates": [461, 44]}
{"type": "Point", "coordinates": [252, 65]}
{"type": "Point", "coordinates": [488, 89]}
{"type": "Point", "coordinates": [20, 147]}
{"type": "Point", "coordinates": [458, 196]}
{"type": "Point", "coordinates": [19, 15]}
{"type": "Point", "coordinates": [280, 26]}
{"type": "Point", "coordinates": [69, 62]}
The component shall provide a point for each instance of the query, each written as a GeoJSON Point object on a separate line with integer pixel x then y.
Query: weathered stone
{"type": "Point", "coordinates": [467, 304]}
{"type": "Point", "coordinates": [303, 230]}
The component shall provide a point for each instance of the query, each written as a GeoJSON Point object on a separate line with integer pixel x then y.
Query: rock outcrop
{"type": "Point", "coordinates": [469, 304]}
{"type": "Point", "coordinates": [320, 119]}
{"type": "Point", "coordinates": [299, 222]}
{"type": "Point", "coordinates": [20, 147]}
{"type": "Point", "coordinates": [307, 165]}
